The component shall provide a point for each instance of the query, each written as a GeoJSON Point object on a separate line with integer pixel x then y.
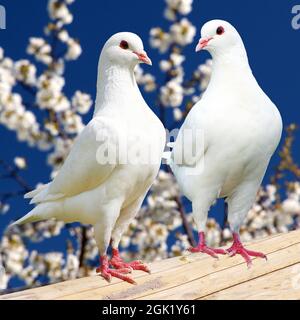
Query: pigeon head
{"type": "Point", "coordinates": [125, 49]}
{"type": "Point", "coordinates": [218, 36]}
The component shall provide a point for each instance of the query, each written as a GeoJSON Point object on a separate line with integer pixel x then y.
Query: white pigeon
{"type": "Point", "coordinates": [112, 163]}
{"type": "Point", "coordinates": [233, 131]}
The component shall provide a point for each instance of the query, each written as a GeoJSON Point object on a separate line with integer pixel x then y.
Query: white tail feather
{"type": "Point", "coordinates": [43, 196]}
{"type": "Point", "coordinates": [42, 211]}
{"type": "Point", "coordinates": [34, 192]}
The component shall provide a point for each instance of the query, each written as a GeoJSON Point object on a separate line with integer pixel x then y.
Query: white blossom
{"type": "Point", "coordinates": [178, 115]}
{"type": "Point", "coordinates": [59, 10]}
{"type": "Point", "coordinates": [160, 40]}
{"type": "Point", "coordinates": [183, 32]}
{"type": "Point", "coordinates": [81, 102]}
{"type": "Point", "coordinates": [63, 36]}
{"type": "Point", "coordinates": [20, 162]}
{"type": "Point", "coordinates": [74, 49]}
{"type": "Point", "coordinates": [40, 49]}
{"type": "Point", "coordinates": [72, 122]}
{"type": "Point", "coordinates": [165, 65]}
{"type": "Point", "coordinates": [177, 59]}
{"type": "Point", "coordinates": [4, 208]}
{"type": "Point", "coordinates": [171, 94]}
{"type": "Point", "coordinates": [25, 72]}
{"type": "Point", "coordinates": [291, 206]}
{"type": "Point", "coordinates": [183, 7]}
{"type": "Point", "coordinates": [49, 95]}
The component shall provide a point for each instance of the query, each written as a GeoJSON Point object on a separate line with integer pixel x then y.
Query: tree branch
{"type": "Point", "coordinates": [13, 174]}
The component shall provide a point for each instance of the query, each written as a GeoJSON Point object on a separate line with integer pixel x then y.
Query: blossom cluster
{"type": "Point", "coordinates": [33, 105]}
{"type": "Point", "coordinates": [171, 45]}
{"type": "Point", "coordinates": [63, 115]}
{"type": "Point", "coordinates": [30, 265]}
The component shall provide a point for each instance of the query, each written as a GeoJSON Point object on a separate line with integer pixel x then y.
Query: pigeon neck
{"type": "Point", "coordinates": [115, 84]}
{"type": "Point", "coordinates": [230, 65]}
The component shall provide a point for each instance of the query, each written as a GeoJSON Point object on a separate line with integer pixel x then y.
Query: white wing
{"type": "Point", "coordinates": [86, 166]}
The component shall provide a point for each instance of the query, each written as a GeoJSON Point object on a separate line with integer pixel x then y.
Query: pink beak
{"type": "Point", "coordinates": [203, 42]}
{"type": "Point", "coordinates": [143, 57]}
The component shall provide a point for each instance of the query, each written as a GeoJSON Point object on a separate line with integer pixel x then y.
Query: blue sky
{"type": "Point", "coordinates": [265, 25]}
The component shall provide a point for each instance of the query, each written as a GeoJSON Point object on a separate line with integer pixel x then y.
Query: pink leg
{"type": "Point", "coordinates": [238, 248]}
{"type": "Point", "coordinates": [202, 247]}
{"type": "Point", "coordinates": [117, 262]}
{"type": "Point", "coordinates": [108, 273]}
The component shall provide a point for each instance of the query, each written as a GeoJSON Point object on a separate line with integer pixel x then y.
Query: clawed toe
{"type": "Point", "coordinates": [202, 247]}
{"type": "Point", "coordinates": [134, 265]}
{"type": "Point", "coordinates": [141, 267]}
{"type": "Point", "coordinates": [125, 270]}
{"type": "Point", "coordinates": [247, 254]}
{"type": "Point", "coordinates": [210, 251]}
{"type": "Point", "coordinates": [238, 248]}
{"type": "Point", "coordinates": [220, 251]}
{"type": "Point", "coordinates": [118, 263]}
{"type": "Point", "coordinates": [121, 268]}
{"type": "Point", "coordinates": [107, 273]}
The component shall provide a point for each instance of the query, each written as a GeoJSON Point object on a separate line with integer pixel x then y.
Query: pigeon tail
{"type": "Point", "coordinates": [44, 196]}
{"type": "Point", "coordinates": [36, 191]}
{"type": "Point", "coordinates": [41, 194]}
{"type": "Point", "coordinates": [43, 211]}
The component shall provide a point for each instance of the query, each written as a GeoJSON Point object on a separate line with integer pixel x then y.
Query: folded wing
{"type": "Point", "coordinates": [87, 165]}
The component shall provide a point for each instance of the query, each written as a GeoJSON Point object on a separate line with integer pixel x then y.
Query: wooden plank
{"type": "Point", "coordinates": [195, 266]}
{"type": "Point", "coordinates": [283, 284]}
{"type": "Point", "coordinates": [61, 289]}
{"type": "Point", "coordinates": [207, 283]}
{"type": "Point", "coordinates": [194, 276]}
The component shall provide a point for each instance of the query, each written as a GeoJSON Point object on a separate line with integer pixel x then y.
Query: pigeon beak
{"type": "Point", "coordinates": [142, 56]}
{"type": "Point", "coordinates": [203, 42]}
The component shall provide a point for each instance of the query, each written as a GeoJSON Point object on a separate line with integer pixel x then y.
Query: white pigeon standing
{"type": "Point", "coordinates": [112, 163]}
{"type": "Point", "coordinates": [235, 131]}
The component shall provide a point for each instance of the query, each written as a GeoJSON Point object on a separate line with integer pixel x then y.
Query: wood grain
{"type": "Point", "coordinates": [195, 276]}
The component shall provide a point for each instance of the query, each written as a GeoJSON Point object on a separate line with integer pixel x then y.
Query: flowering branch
{"type": "Point", "coordinates": [172, 92]}
{"type": "Point", "coordinates": [287, 163]}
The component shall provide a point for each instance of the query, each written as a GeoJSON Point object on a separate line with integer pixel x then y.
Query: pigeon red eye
{"type": "Point", "coordinates": [220, 31]}
{"type": "Point", "coordinates": [124, 44]}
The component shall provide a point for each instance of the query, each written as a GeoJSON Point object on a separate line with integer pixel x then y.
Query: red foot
{"type": "Point", "coordinates": [202, 247]}
{"type": "Point", "coordinates": [238, 248]}
{"type": "Point", "coordinates": [108, 273]}
{"type": "Point", "coordinates": [118, 263]}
